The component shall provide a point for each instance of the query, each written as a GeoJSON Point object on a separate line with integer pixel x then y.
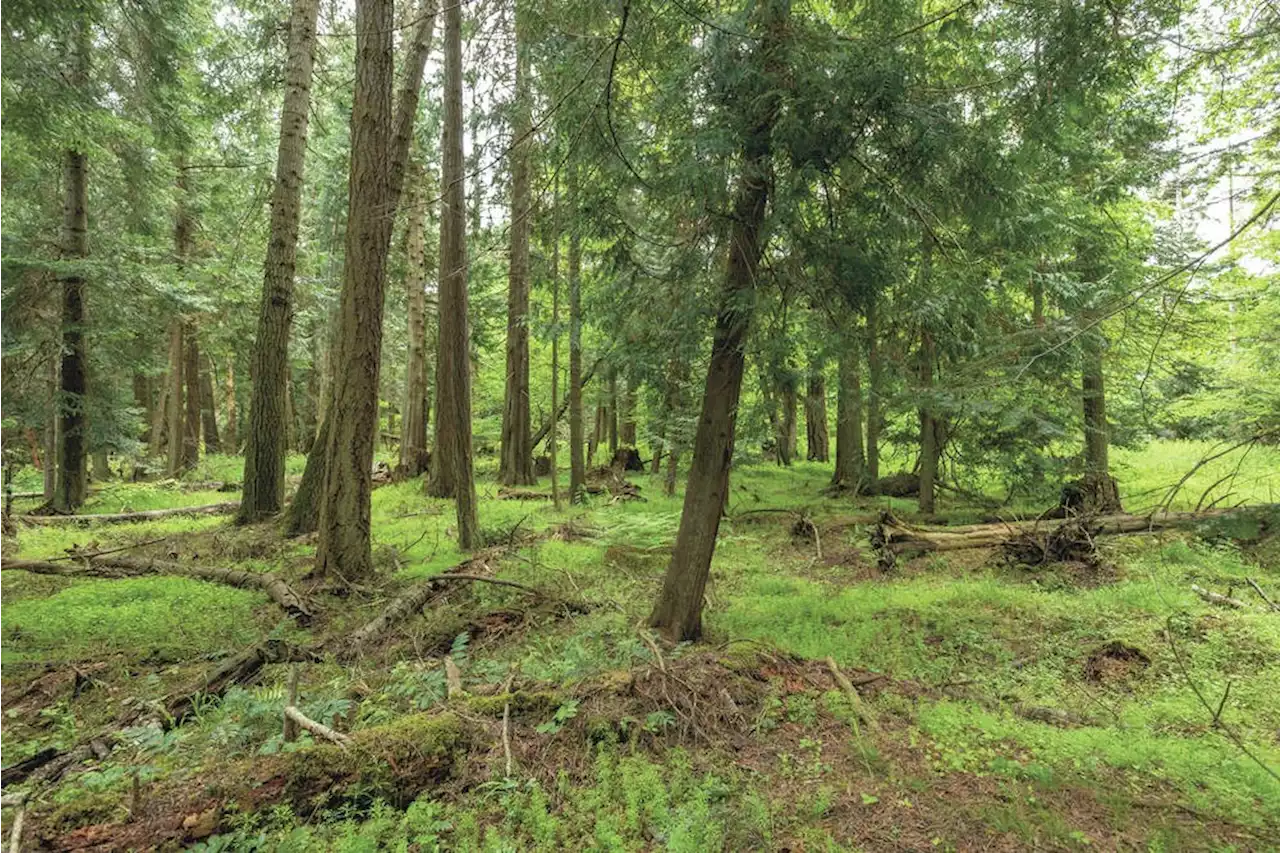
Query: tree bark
{"type": "Point", "coordinates": [304, 512]}
{"type": "Point", "coordinates": [232, 434]}
{"type": "Point", "coordinates": [929, 445]}
{"type": "Point", "coordinates": [787, 394]}
{"type": "Point", "coordinates": [191, 378]}
{"type": "Point", "coordinates": [344, 549]}
{"type": "Point", "coordinates": [817, 438]}
{"type": "Point", "coordinates": [413, 435]}
{"type": "Point", "coordinates": [627, 416]}
{"type": "Point", "coordinates": [577, 459]}
{"type": "Point", "coordinates": [50, 433]}
{"type": "Point", "coordinates": [553, 440]}
{"type": "Point", "coordinates": [849, 473]}
{"type": "Point", "coordinates": [208, 410]}
{"type": "Point", "coordinates": [173, 405]}
{"type": "Point", "coordinates": [1099, 491]}
{"type": "Point", "coordinates": [266, 442]}
{"type": "Point", "coordinates": [678, 611]}
{"type": "Point", "coordinates": [611, 413]}
{"type": "Point", "coordinates": [516, 461]}
{"type": "Point", "coordinates": [875, 373]}
{"type": "Point", "coordinates": [453, 469]}
{"type": "Point", "coordinates": [160, 416]}
{"type": "Point", "coordinates": [71, 485]}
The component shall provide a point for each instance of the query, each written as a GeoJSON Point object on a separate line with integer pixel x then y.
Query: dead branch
{"type": "Point", "coordinates": [121, 517]}
{"type": "Point", "coordinates": [1216, 598]}
{"type": "Point", "coordinates": [117, 567]}
{"type": "Point", "coordinates": [318, 729]}
{"type": "Point", "coordinates": [1271, 604]}
{"type": "Point", "coordinates": [868, 717]}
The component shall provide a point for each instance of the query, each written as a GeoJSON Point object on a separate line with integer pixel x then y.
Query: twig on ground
{"type": "Point", "coordinates": [317, 729]}
{"type": "Point", "coordinates": [82, 555]}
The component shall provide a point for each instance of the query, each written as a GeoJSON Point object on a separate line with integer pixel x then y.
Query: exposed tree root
{"type": "Point", "coordinates": [119, 567]}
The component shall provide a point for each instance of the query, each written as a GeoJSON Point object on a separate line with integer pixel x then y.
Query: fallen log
{"type": "Point", "coordinates": [123, 517]}
{"type": "Point", "coordinates": [1218, 598]}
{"type": "Point", "coordinates": [117, 567]}
{"type": "Point", "coordinates": [240, 669]}
{"type": "Point", "coordinates": [892, 538]}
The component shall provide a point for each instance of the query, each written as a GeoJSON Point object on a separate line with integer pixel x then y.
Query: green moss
{"type": "Point", "coordinates": [523, 703]}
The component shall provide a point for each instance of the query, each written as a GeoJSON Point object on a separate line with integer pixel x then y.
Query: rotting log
{"type": "Point", "coordinates": [317, 729]}
{"type": "Point", "coordinates": [240, 669]}
{"type": "Point", "coordinates": [117, 567]}
{"type": "Point", "coordinates": [892, 538]}
{"type": "Point", "coordinates": [123, 517]}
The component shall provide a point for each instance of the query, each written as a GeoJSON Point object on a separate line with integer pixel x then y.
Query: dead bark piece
{"type": "Point", "coordinates": [318, 729]}
{"type": "Point", "coordinates": [16, 774]}
{"type": "Point", "coordinates": [1216, 598]}
{"type": "Point", "coordinates": [116, 567]}
{"type": "Point", "coordinates": [1051, 716]}
{"type": "Point", "coordinates": [123, 517]}
{"type": "Point", "coordinates": [15, 835]}
{"type": "Point", "coordinates": [505, 494]}
{"type": "Point", "coordinates": [453, 678]}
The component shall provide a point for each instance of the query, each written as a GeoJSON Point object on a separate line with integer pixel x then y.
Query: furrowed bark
{"type": "Point", "coordinates": [344, 549]}
{"type": "Point", "coordinates": [72, 477]}
{"type": "Point", "coordinates": [265, 444]}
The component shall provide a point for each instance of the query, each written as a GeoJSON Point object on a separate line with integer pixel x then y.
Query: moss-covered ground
{"type": "Point", "coordinates": [1001, 707]}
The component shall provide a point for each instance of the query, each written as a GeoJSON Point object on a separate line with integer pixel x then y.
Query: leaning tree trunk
{"type": "Point", "coordinates": [577, 458]}
{"type": "Point", "coordinates": [413, 427]}
{"type": "Point", "coordinates": [875, 390]}
{"type": "Point", "coordinates": [453, 378]}
{"type": "Point", "coordinates": [265, 444]}
{"type": "Point", "coordinates": [208, 410]}
{"type": "Point", "coordinates": [850, 473]}
{"type": "Point", "coordinates": [173, 406]}
{"type": "Point", "coordinates": [191, 378]}
{"type": "Point", "coordinates": [516, 465]}
{"type": "Point", "coordinates": [678, 611]}
{"type": "Point", "coordinates": [344, 549]}
{"type": "Point", "coordinates": [817, 438]}
{"type": "Point", "coordinates": [71, 484]}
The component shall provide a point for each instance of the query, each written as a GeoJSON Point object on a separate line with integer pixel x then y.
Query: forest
{"type": "Point", "coordinates": [502, 425]}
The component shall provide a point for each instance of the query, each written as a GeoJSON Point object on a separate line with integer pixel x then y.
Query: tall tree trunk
{"type": "Point", "coordinates": [875, 376]}
{"type": "Point", "coordinates": [1099, 491]}
{"type": "Point", "coordinates": [266, 442]}
{"type": "Point", "coordinates": [413, 434]}
{"type": "Point", "coordinates": [50, 437]}
{"type": "Point", "coordinates": [787, 394]}
{"type": "Point", "coordinates": [209, 410]}
{"type": "Point", "coordinates": [71, 484]}
{"type": "Point", "coordinates": [929, 446]}
{"type": "Point", "coordinates": [142, 399]}
{"type": "Point", "coordinates": [231, 435]}
{"type": "Point", "coordinates": [303, 515]}
{"type": "Point", "coordinates": [849, 472]}
{"type": "Point", "coordinates": [453, 378]}
{"type": "Point", "coordinates": [191, 378]}
{"type": "Point", "coordinates": [516, 463]}
{"type": "Point", "coordinates": [159, 415]}
{"type": "Point", "coordinates": [817, 438]}
{"type": "Point", "coordinates": [553, 440]}
{"type": "Point", "coordinates": [577, 460]}
{"type": "Point", "coordinates": [611, 413]}
{"type": "Point", "coordinates": [173, 405]}
{"type": "Point", "coordinates": [677, 371]}
{"type": "Point", "coordinates": [344, 549]}
{"type": "Point", "coordinates": [678, 611]}
{"type": "Point", "coordinates": [627, 416]}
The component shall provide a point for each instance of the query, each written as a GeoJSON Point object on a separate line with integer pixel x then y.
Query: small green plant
{"type": "Point", "coordinates": [563, 714]}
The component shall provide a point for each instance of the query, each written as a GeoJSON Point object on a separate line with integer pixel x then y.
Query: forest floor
{"type": "Point", "coordinates": [997, 707]}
